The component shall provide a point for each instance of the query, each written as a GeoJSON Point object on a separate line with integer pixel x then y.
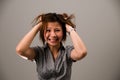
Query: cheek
{"type": "Point", "coordinates": [61, 35]}
{"type": "Point", "coordinates": [45, 36]}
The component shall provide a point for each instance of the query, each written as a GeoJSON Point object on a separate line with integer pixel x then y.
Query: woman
{"type": "Point", "coordinates": [53, 60]}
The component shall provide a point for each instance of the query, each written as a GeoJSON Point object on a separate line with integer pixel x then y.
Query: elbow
{"type": "Point", "coordinates": [81, 54]}
{"type": "Point", "coordinates": [84, 53]}
{"type": "Point", "coordinates": [19, 51]}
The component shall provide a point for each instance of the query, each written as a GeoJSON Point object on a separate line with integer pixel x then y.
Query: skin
{"type": "Point", "coordinates": [79, 50]}
{"type": "Point", "coordinates": [53, 36]}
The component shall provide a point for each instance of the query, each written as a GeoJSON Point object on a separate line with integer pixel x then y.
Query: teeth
{"type": "Point", "coordinates": [52, 39]}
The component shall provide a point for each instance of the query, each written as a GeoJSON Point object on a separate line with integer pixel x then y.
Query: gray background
{"type": "Point", "coordinates": [98, 23]}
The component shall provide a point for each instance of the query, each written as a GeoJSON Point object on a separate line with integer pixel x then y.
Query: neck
{"type": "Point", "coordinates": [54, 49]}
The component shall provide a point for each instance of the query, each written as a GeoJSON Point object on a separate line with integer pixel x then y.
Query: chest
{"type": "Point", "coordinates": [48, 67]}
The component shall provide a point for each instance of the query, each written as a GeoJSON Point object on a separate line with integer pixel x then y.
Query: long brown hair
{"type": "Point", "coordinates": [62, 19]}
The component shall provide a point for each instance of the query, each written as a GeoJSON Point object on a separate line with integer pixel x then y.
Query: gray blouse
{"type": "Point", "coordinates": [50, 69]}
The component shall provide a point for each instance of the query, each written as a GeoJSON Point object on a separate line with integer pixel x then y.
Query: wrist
{"type": "Point", "coordinates": [70, 30]}
{"type": "Point", "coordinates": [38, 26]}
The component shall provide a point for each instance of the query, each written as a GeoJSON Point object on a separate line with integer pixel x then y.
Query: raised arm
{"type": "Point", "coordinates": [23, 48]}
{"type": "Point", "coordinates": [79, 50]}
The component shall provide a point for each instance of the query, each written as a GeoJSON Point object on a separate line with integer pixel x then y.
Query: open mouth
{"type": "Point", "coordinates": [53, 40]}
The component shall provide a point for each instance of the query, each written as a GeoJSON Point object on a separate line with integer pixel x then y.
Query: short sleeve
{"type": "Point", "coordinates": [69, 49]}
{"type": "Point", "coordinates": [37, 52]}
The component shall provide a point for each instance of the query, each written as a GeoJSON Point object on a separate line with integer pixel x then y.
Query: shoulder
{"type": "Point", "coordinates": [69, 49]}
{"type": "Point", "coordinates": [39, 50]}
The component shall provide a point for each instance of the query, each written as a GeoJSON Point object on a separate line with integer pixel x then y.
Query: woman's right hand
{"type": "Point", "coordinates": [38, 25]}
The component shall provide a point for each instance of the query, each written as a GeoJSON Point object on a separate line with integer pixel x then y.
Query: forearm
{"type": "Point", "coordinates": [25, 43]}
{"type": "Point", "coordinates": [77, 42]}
{"type": "Point", "coordinates": [79, 50]}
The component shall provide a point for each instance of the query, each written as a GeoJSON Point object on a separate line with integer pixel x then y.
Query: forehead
{"type": "Point", "coordinates": [53, 25]}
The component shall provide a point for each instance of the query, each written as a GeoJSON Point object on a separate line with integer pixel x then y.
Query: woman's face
{"type": "Point", "coordinates": [53, 34]}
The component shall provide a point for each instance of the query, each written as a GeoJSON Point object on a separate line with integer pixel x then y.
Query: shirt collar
{"type": "Point", "coordinates": [61, 46]}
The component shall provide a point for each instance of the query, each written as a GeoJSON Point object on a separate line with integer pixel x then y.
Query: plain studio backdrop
{"type": "Point", "coordinates": [98, 24]}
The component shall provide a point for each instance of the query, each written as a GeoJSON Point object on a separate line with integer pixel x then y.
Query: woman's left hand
{"type": "Point", "coordinates": [68, 28]}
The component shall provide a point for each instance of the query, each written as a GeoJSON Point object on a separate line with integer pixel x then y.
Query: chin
{"type": "Point", "coordinates": [53, 44]}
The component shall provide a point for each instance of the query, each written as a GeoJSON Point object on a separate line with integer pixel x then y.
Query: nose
{"type": "Point", "coordinates": [53, 33]}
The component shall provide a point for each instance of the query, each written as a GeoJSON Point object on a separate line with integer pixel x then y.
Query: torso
{"type": "Point", "coordinates": [51, 66]}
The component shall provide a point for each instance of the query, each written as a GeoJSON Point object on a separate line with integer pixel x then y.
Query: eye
{"type": "Point", "coordinates": [47, 30]}
{"type": "Point", "coordinates": [57, 30]}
